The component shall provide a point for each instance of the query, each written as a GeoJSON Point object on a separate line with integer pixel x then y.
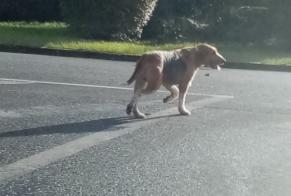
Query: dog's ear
{"type": "Point", "coordinates": [188, 55]}
{"type": "Point", "coordinates": [201, 53]}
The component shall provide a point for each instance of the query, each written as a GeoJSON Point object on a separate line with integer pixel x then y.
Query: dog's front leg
{"type": "Point", "coordinates": [183, 88]}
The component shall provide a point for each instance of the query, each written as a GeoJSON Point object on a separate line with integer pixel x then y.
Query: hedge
{"type": "Point", "coordinates": [110, 19]}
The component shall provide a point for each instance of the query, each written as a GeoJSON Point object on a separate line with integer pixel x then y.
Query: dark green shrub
{"type": "Point", "coordinates": [30, 10]}
{"type": "Point", "coordinates": [280, 27]}
{"type": "Point", "coordinates": [240, 20]}
{"type": "Point", "coordinates": [242, 23]}
{"type": "Point", "coordinates": [175, 20]}
{"type": "Point", "coordinates": [110, 19]}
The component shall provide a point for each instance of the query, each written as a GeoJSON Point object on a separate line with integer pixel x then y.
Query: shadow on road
{"type": "Point", "coordinates": [80, 127]}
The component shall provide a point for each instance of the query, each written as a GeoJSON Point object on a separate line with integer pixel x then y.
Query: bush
{"type": "Point", "coordinates": [110, 19]}
{"type": "Point", "coordinates": [242, 23]}
{"type": "Point", "coordinates": [259, 22]}
{"type": "Point", "coordinates": [211, 20]}
{"type": "Point", "coordinates": [30, 10]}
{"type": "Point", "coordinates": [281, 24]}
{"type": "Point", "coordinates": [174, 29]}
{"type": "Point", "coordinates": [175, 20]}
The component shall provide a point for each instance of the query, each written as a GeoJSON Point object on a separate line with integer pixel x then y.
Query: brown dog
{"type": "Point", "coordinates": [175, 70]}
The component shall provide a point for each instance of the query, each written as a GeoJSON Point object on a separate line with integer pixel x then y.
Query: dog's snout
{"type": "Point", "coordinates": [224, 60]}
{"type": "Point", "coordinates": [221, 58]}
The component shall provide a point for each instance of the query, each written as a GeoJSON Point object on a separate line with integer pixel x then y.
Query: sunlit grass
{"type": "Point", "coordinates": [129, 48]}
{"type": "Point", "coordinates": [34, 25]}
{"type": "Point", "coordinates": [255, 54]}
{"type": "Point", "coordinates": [57, 36]}
{"type": "Point", "coordinates": [279, 60]}
{"type": "Point", "coordinates": [33, 34]}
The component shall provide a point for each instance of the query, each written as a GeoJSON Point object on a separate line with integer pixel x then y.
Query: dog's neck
{"type": "Point", "coordinates": [192, 63]}
{"type": "Point", "coordinates": [193, 67]}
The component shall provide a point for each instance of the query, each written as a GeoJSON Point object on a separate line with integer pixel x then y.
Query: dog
{"type": "Point", "coordinates": [174, 70]}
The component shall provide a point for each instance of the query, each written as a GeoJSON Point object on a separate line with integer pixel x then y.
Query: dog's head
{"type": "Point", "coordinates": [204, 54]}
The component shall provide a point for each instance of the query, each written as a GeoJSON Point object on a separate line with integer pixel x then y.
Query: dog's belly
{"type": "Point", "coordinates": [174, 72]}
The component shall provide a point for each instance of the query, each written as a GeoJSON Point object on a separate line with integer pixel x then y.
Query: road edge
{"type": "Point", "coordinates": [133, 58]}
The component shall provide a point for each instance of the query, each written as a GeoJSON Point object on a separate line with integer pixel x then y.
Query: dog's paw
{"type": "Point", "coordinates": [139, 115]}
{"type": "Point", "coordinates": [185, 112]}
{"type": "Point", "coordinates": [167, 99]}
{"type": "Point", "coordinates": [129, 109]}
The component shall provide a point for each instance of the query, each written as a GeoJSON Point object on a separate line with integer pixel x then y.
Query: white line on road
{"type": "Point", "coordinates": [42, 159]}
{"type": "Point", "coordinates": [14, 82]}
{"type": "Point", "coordinates": [100, 86]}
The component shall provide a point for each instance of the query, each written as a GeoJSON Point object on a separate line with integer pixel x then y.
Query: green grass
{"type": "Point", "coordinates": [129, 48]}
{"type": "Point", "coordinates": [33, 34]}
{"type": "Point", "coordinates": [58, 36]}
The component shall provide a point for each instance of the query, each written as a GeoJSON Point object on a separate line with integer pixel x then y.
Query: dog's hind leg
{"type": "Point", "coordinates": [174, 93]}
{"type": "Point", "coordinates": [137, 113]}
{"type": "Point", "coordinates": [133, 105]}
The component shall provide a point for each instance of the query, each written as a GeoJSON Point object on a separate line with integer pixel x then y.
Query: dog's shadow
{"type": "Point", "coordinates": [80, 127]}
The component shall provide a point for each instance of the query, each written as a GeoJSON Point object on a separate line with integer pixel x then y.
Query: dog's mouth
{"type": "Point", "coordinates": [217, 67]}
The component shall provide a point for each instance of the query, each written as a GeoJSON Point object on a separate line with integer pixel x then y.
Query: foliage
{"type": "Point", "coordinates": [110, 19]}
{"type": "Point", "coordinates": [175, 19]}
{"type": "Point", "coordinates": [248, 21]}
{"type": "Point", "coordinates": [30, 10]}
{"type": "Point", "coordinates": [261, 21]}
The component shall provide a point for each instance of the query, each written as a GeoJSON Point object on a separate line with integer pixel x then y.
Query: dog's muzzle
{"type": "Point", "coordinates": [222, 62]}
{"type": "Point", "coordinates": [217, 67]}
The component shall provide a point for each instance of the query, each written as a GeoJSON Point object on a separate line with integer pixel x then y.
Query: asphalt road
{"type": "Point", "coordinates": [64, 131]}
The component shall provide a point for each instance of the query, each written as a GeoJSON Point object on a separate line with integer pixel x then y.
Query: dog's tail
{"type": "Point", "coordinates": [136, 70]}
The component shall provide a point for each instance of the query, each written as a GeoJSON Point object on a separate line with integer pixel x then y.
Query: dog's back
{"type": "Point", "coordinates": [174, 68]}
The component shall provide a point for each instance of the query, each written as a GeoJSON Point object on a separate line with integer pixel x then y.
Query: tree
{"type": "Point", "coordinates": [175, 19]}
{"type": "Point", "coordinates": [110, 19]}
{"type": "Point", "coordinates": [30, 10]}
{"type": "Point", "coordinates": [239, 20]}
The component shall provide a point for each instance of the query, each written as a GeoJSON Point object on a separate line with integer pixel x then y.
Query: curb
{"type": "Point", "coordinates": [132, 58]}
{"type": "Point", "coordinates": [67, 53]}
{"type": "Point", "coordinates": [257, 67]}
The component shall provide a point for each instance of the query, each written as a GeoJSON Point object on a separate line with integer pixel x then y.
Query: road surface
{"type": "Point", "coordinates": [64, 131]}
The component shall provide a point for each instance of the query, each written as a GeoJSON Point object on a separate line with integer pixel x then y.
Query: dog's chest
{"type": "Point", "coordinates": [174, 71]}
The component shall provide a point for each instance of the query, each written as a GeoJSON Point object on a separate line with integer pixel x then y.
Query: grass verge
{"type": "Point", "coordinates": [57, 36]}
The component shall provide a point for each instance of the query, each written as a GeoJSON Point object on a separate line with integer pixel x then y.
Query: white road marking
{"type": "Point", "coordinates": [9, 114]}
{"type": "Point", "coordinates": [102, 86]}
{"type": "Point", "coordinates": [52, 110]}
{"type": "Point", "coordinates": [42, 159]}
{"type": "Point", "coordinates": [14, 82]}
